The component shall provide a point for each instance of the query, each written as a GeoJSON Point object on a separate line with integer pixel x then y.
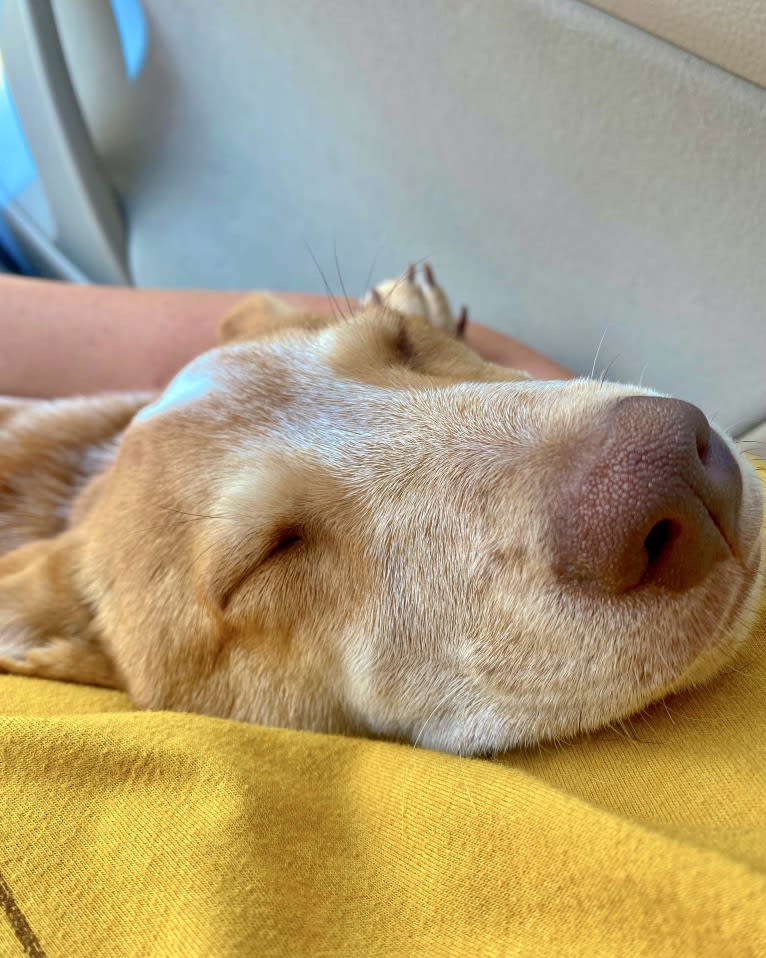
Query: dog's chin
{"type": "Point", "coordinates": [736, 593]}
{"type": "Point", "coordinates": [723, 645]}
{"type": "Point", "coordinates": [503, 724]}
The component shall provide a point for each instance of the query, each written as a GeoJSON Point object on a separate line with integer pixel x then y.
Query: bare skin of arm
{"type": "Point", "coordinates": [57, 339]}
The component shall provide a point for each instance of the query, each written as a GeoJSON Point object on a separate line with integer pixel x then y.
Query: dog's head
{"type": "Point", "coordinates": [362, 527]}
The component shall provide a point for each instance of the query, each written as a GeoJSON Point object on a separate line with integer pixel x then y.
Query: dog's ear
{"type": "Point", "coordinates": [263, 314]}
{"type": "Point", "coordinates": [46, 625]}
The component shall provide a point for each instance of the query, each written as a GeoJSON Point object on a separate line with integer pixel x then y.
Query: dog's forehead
{"type": "Point", "coordinates": [249, 381]}
{"type": "Point", "coordinates": [290, 387]}
{"type": "Point", "coordinates": [193, 382]}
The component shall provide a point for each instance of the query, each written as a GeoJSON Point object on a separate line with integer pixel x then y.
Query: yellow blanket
{"type": "Point", "coordinates": [127, 833]}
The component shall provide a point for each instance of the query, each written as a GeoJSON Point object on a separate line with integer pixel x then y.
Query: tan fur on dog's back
{"type": "Point", "coordinates": [342, 526]}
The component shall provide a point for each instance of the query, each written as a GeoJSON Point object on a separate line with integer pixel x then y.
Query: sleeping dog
{"type": "Point", "coordinates": [359, 526]}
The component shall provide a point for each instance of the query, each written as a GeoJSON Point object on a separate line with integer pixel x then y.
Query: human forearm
{"type": "Point", "coordinates": [57, 339]}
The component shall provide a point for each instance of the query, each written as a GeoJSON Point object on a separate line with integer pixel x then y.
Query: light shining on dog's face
{"type": "Point", "coordinates": [353, 530]}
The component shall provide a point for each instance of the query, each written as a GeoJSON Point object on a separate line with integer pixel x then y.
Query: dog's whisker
{"type": "Point", "coordinates": [371, 270]}
{"type": "Point", "coordinates": [464, 779]}
{"type": "Point", "coordinates": [340, 279]}
{"type": "Point", "coordinates": [732, 427]}
{"type": "Point", "coordinates": [331, 295]}
{"type": "Point", "coordinates": [638, 740]}
{"type": "Point", "coordinates": [408, 275]}
{"type": "Point", "coordinates": [736, 670]}
{"type": "Point", "coordinates": [449, 693]}
{"type": "Point", "coordinates": [405, 781]}
{"type": "Point", "coordinates": [598, 350]}
{"type": "Point", "coordinates": [233, 550]}
{"type": "Point", "coordinates": [668, 711]}
{"type": "Point", "coordinates": [607, 368]}
{"type": "Point", "coordinates": [197, 515]}
{"type": "Point", "coordinates": [618, 727]}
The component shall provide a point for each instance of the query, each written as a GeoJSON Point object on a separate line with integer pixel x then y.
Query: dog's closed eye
{"type": "Point", "coordinates": [246, 559]}
{"type": "Point", "coordinates": [394, 346]}
{"type": "Point", "coordinates": [402, 348]}
{"type": "Point", "coordinates": [285, 540]}
{"type": "Point", "coordinates": [273, 526]}
{"type": "Point", "coordinates": [386, 346]}
{"type": "Point", "coordinates": [386, 351]}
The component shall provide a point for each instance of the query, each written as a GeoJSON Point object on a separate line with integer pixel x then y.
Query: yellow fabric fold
{"type": "Point", "coordinates": [130, 833]}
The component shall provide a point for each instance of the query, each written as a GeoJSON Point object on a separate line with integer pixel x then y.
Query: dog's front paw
{"type": "Point", "coordinates": [420, 296]}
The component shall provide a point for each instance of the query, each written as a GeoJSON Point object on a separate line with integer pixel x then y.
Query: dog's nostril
{"type": "Point", "coordinates": [659, 541]}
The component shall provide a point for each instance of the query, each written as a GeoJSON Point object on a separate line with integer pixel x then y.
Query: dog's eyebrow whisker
{"type": "Point", "coordinates": [196, 558]}
{"type": "Point", "coordinates": [372, 267]}
{"type": "Point", "coordinates": [598, 350]}
{"type": "Point", "coordinates": [336, 309]}
{"type": "Point", "coordinates": [231, 551]}
{"type": "Point", "coordinates": [198, 515]}
{"type": "Point", "coordinates": [641, 377]}
{"type": "Point", "coordinates": [340, 279]}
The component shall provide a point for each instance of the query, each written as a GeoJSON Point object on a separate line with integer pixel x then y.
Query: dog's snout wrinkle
{"type": "Point", "coordinates": [653, 498]}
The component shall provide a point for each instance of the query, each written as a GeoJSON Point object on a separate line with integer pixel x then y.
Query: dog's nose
{"type": "Point", "coordinates": [652, 498]}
